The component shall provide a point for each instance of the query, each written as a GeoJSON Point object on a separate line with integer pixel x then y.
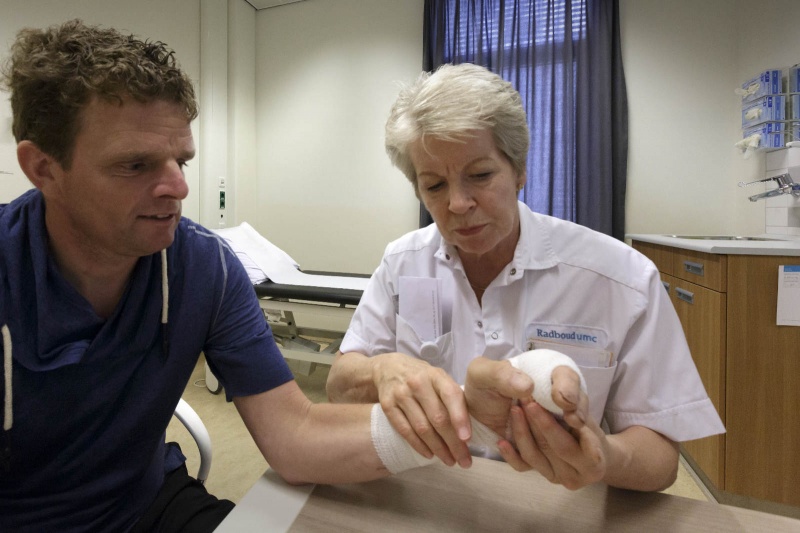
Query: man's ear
{"type": "Point", "coordinates": [36, 164]}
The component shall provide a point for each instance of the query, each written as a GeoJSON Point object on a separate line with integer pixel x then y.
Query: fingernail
{"type": "Point", "coordinates": [520, 381]}
{"type": "Point", "coordinates": [570, 397]}
{"type": "Point", "coordinates": [464, 434]}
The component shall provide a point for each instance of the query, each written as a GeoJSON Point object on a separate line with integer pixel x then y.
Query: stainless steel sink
{"type": "Point", "coordinates": [723, 238]}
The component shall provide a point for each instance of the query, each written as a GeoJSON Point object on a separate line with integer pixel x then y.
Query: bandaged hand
{"type": "Point", "coordinates": [555, 387]}
{"type": "Point", "coordinates": [568, 449]}
{"type": "Point", "coordinates": [491, 389]}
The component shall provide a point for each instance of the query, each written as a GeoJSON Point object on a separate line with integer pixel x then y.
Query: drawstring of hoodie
{"type": "Point", "coordinates": [164, 306]}
{"type": "Point", "coordinates": [8, 412]}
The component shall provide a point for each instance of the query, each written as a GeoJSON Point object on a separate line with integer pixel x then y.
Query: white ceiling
{"type": "Point", "coordinates": [265, 4]}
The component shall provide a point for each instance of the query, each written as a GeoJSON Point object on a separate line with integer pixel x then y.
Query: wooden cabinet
{"type": "Point", "coordinates": [763, 368]}
{"type": "Point", "coordinates": [662, 256]}
{"type": "Point", "coordinates": [694, 289]}
{"type": "Point", "coordinates": [702, 313]}
{"type": "Point", "coordinates": [749, 366]}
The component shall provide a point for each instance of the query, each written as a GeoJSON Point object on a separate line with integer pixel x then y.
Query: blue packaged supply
{"type": "Point", "coordinates": [766, 109]}
{"type": "Point", "coordinates": [794, 79]}
{"type": "Point", "coordinates": [773, 134]}
{"type": "Point", "coordinates": [768, 82]}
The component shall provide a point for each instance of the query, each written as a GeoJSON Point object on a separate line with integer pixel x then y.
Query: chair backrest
{"type": "Point", "coordinates": [197, 429]}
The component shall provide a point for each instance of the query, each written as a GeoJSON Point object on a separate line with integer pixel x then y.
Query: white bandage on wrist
{"type": "Point", "coordinates": [397, 454]}
{"type": "Point", "coordinates": [539, 365]}
{"type": "Point", "coordinates": [394, 451]}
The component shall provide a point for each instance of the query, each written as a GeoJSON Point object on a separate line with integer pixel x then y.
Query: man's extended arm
{"type": "Point", "coordinates": [311, 443]}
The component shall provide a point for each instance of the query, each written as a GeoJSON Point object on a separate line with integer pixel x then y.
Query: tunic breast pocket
{"type": "Point", "coordinates": [438, 352]}
{"type": "Point", "coordinates": [597, 365]}
{"type": "Point", "coordinates": [598, 383]}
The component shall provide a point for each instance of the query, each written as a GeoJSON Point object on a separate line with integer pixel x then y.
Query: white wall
{"type": "Point", "coordinates": [214, 110]}
{"type": "Point", "coordinates": [326, 77]}
{"type": "Point", "coordinates": [241, 112]}
{"type": "Point", "coordinates": [679, 60]}
{"type": "Point", "coordinates": [309, 86]}
{"type": "Point", "coordinates": [318, 77]}
{"type": "Point", "coordinates": [682, 61]}
{"type": "Point", "coordinates": [175, 22]}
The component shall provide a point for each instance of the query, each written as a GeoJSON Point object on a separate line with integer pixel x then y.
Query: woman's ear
{"type": "Point", "coordinates": [36, 164]}
{"type": "Point", "coordinates": [522, 179]}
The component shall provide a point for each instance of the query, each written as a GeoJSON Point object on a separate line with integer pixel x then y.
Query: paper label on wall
{"type": "Point", "coordinates": [788, 295]}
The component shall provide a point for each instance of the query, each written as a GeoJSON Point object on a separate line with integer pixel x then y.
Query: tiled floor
{"type": "Point", "coordinates": [237, 463]}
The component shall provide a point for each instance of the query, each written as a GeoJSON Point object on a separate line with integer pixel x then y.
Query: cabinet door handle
{"type": "Point", "coordinates": [666, 286]}
{"type": "Point", "coordinates": [685, 295]}
{"type": "Point", "coordinates": [693, 268]}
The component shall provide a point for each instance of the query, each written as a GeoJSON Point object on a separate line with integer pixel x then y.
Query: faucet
{"type": "Point", "coordinates": [786, 185]}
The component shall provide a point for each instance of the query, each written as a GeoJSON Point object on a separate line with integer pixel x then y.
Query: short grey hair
{"type": "Point", "coordinates": [451, 102]}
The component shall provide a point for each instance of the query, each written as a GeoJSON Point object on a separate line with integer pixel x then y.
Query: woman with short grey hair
{"type": "Point", "coordinates": [491, 279]}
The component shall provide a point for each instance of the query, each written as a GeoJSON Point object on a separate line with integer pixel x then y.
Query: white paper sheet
{"type": "Point", "coordinates": [788, 295]}
{"type": "Point", "coordinates": [295, 277]}
{"type": "Point", "coordinates": [263, 260]}
{"type": "Point", "coordinates": [420, 306]}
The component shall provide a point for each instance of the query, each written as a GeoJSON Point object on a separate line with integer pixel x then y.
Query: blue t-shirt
{"type": "Point", "coordinates": [91, 397]}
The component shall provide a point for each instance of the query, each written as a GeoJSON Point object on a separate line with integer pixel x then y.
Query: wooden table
{"type": "Point", "coordinates": [490, 496]}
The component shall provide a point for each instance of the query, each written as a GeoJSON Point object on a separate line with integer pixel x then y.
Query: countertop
{"type": "Point", "coordinates": [780, 245]}
{"type": "Point", "coordinates": [489, 496]}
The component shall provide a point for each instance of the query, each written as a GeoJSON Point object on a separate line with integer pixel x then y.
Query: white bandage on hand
{"type": "Point", "coordinates": [539, 365]}
{"type": "Point", "coordinates": [483, 442]}
{"type": "Point", "coordinates": [397, 454]}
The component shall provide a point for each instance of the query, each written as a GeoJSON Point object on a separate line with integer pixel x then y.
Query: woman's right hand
{"type": "Point", "coordinates": [425, 405]}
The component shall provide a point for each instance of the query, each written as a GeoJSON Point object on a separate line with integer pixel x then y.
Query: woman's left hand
{"type": "Point", "coordinates": [573, 452]}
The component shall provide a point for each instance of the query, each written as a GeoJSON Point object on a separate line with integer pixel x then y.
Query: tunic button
{"type": "Point", "coordinates": [447, 256]}
{"type": "Point", "coordinates": [480, 324]}
{"type": "Point", "coordinates": [513, 271]}
{"type": "Point", "coordinates": [429, 351]}
{"type": "Point", "coordinates": [494, 335]}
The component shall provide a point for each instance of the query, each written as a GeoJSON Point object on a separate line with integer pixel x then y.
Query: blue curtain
{"type": "Point", "coordinates": [564, 58]}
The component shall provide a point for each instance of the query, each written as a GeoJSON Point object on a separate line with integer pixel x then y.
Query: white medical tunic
{"type": "Point", "coordinates": [568, 288]}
